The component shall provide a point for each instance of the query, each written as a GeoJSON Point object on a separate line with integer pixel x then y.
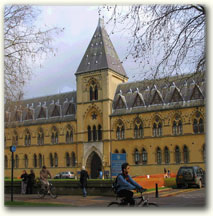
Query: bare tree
{"type": "Point", "coordinates": [24, 44]}
{"type": "Point", "coordinates": [164, 39]}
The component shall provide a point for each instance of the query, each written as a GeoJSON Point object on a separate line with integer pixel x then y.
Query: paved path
{"type": "Point", "coordinates": [167, 198]}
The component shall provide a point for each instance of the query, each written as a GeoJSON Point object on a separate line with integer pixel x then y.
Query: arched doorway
{"type": "Point", "coordinates": [95, 164]}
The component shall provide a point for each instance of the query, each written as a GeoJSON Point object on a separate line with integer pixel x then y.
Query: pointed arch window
{"type": "Point", "coordinates": [16, 165]}
{"type": "Point", "coordinates": [69, 135]}
{"type": "Point", "coordinates": [159, 156]}
{"type": "Point", "coordinates": [35, 161]}
{"type": "Point", "coordinates": [99, 132]}
{"type": "Point", "coordinates": [123, 151]}
{"type": "Point", "coordinates": [138, 129]}
{"type": "Point", "coordinates": [166, 155]}
{"type": "Point", "coordinates": [93, 90]}
{"type": "Point", "coordinates": [27, 138]}
{"type": "Point", "coordinates": [185, 154]}
{"type": "Point", "coordinates": [5, 162]}
{"type": "Point", "coordinates": [198, 124]}
{"type": "Point", "coordinates": [54, 136]}
{"type": "Point", "coordinates": [157, 127]}
{"type": "Point", "coordinates": [120, 130]}
{"type": "Point", "coordinates": [136, 156]}
{"type": "Point", "coordinates": [67, 159]}
{"type": "Point", "coordinates": [51, 160]}
{"type": "Point", "coordinates": [15, 138]}
{"type": "Point", "coordinates": [94, 133]}
{"type": "Point", "coordinates": [25, 161]}
{"type": "Point", "coordinates": [40, 160]}
{"type": "Point", "coordinates": [116, 151]}
{"type": "Point", "coordinates": [177, 155]}
{"type": "Point", "coordinates": [144, 156]}
{"type": "Point", "coordinates": [73, 159]}
{"type": "Point", "coordinates": [89, 133]}
{"type": "Point", "coordinates": [40, 138]}
{"type": "Point", "coordinates": [177, 127]}
{"type": "Point", "coordinates": [56, 160]}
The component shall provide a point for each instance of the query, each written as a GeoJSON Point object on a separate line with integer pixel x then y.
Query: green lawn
{"type": "Point", "coordinates": [30, 204]}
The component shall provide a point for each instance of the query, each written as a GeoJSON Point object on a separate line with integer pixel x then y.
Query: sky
{"type": "Point", "coordinates": [57, 73]}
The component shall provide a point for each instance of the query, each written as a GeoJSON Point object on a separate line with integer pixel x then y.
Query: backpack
{"type": "Point", "coordinates": [115, 184]}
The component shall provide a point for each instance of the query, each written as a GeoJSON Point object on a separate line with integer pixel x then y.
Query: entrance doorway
{"type": "Point", "coordinates": [95, 164]}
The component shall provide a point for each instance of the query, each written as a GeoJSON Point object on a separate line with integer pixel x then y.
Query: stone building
{"type": "Point", "coordinates": [157, 123]}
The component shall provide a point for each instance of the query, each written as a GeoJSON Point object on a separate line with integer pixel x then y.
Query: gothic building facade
{"type": "Point", "coordinates": [157, 124]}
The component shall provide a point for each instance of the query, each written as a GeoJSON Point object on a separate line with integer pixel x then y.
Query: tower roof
{"type": "Point", "coordinates": [100, 54]}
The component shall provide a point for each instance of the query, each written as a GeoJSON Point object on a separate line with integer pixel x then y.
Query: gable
{"type": "Point", "coordinates": [196, 93]}
{"type": "Point", "coordinates": [176, 97]}
{"type": "Point", "coordinates": [156, 99]}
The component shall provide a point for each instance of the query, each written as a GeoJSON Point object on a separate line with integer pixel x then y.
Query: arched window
{"type": "Point", "coordinates": [144, 156]}
{"type": "Point", "coordinates": [180, 128]}
{"type": "Point", "coordinates": [5, 162]}
{"type": "Point", "coordinates": [40, 160]}
{"type": "Point", "coordinates": [136, 156]}
{"type": "Point", "coordinates": [198, 124]}
{"type": "Point", "coordinates": [123, 151]}
{"type": "Point", "coordinates": [166, 155]}
{"type": "Point", "coordinates": [89, 133]}
{"type": "Point", "coordinates": [204, 152]}
{"type": "Point", "coordinates": [157, 127]}
{"type": "Point", "coordinates": [16, 162]}
{"type": "Point", "coordinates": [159, 156]}
{"type": "Point", "coordinates": [99, 132]}
{"type": "Point", "coordinates": [120, 130]}
{"type": "Point", "coordinates": [177, 128]}
{"type": "Point", "coordinates": [56, 159]}
{"type": "Point", "coordinates": [94, 133]}
{"type": "Point", "coordinates": [35, 161]}
{"type": "Point", "coordinates": [67, 159]}
{"type": "Point", "coordinates": [15, 138]}
{"type": "Point", "coordinates": [93, 90]}
{"type": "Point", "coordinates": [174, 128]}
{"type": "Point", "coordinates": [69, 135]}
{"type": "Point", "coordinates": [138, 128]}
{"type": "Point", "coordinates": [51, 160]}
{"type": "Point", "coordinates": [185, 154]}
{"type": "Point", "coordinates": [54, 136]}
{"type": "Point", "coordinates": [116, 151]}
{"type": "Point", "coordinates": [27, 138]}
{"type": "Point", "coordinates": [177, 155]}
{"type": "Point", "coordinates": [73, 159]}
{"type": "Point", "coordinates": [40, 137]}
{"type": "Point", "coordinates": [25, 161]}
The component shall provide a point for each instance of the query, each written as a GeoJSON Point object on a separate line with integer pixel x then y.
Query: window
{"type": "Point", "coordinates": [120, 130]}
{"type": "Point", "coordinates": [157, 127]}
{"type": "Point", "coordinates": [73, 159]}
{"type": "Point", "coordinates": [136, 156]}
{"type": "Point", "coordinates": [16, 165]}
{"type": "Point", "coordinates": [177, 155]}
{"type": "Point", "coordinates": [67, 159]}
{"type": "Point", "coordinates": [144, 156]}
{"type": "Point", "coordinates": [35, 161]}
{"type": "Point", "coordinates": [40, 138]}
{"type": "Point", "coordinates": [185, 154]}
{"type": "Point", "coordinates": [138, 129]}
{"type": "Point", "coordinates": [69, 135]}
{"type": "Point", "coordinates": [93, 90]}
{"type": "Point", "coordinates": [51, 160]}
{"type": "Point", "coordinates": [198, 124]}
{"type": "Point", "coordinates": [99, 132]}
{"type": "Point", "coordinates": [123, 151]}
{"type": "Point", "coordinates": [89, 133]}
{"type": "Point", "coordinates": [159, 156]}
{"type": "Point", "coordinates": [94, 133]}
{"type": "Point", "coordinates": [25, 161]}
{"type": "Point", "coordinates": [54, 136]}
{"type": "Point", "coordinates": [177, 128]}
{"type": "Point", "coordinates": [40, 160]}
{"type": "Point", "coordinates": [56, 159]}
{"type": "Point", "coordinates": [166, 155]}
{"type": "Point", "coordinates": [27, 139]}
{"type": "Point", "coordinates": [116, 151]}
{"type": "Point", "coordinates": [15, 139]}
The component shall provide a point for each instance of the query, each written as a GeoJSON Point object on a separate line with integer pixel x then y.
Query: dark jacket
{"type": "Point", "coordinates": [83, 178]}
{"type": "Point", "coordinates": [31, 178]}
{"type": "Point", "coordinates": [24, 177]}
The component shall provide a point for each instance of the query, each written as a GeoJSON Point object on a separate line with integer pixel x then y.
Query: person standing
{"type": "Point", "coordinates": [24, 178]}
{"type": "Point", "coordinates": [31, 181]}
{"type": "Point", "coordinates": [83, 180]}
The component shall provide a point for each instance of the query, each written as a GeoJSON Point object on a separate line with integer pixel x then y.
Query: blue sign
{"type": "Point", "coordinates": [116, 161]}
{"type": "Point", "coordinates": [12, 148]}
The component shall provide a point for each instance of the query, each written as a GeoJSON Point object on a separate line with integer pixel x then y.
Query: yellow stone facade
{"type": "Point", "coordinates": [147, 153]}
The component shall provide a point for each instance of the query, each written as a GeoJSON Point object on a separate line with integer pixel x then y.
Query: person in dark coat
{"type": "Point", "coordinates": [83, 180]}
{"type": "Point", "coordinates": [31, 181]}
{"type": "Point", "coordinates": [24, 178]}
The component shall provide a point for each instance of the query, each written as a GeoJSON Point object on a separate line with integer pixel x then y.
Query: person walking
{"type": "Point", "coordinates": [31, 181]}
{"type": "Point", "coordinates": [83, 180]}
{"type": "Point", "coordinates": [24, 178]}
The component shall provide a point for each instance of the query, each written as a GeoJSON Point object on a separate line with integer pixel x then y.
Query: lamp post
{"type": "Point", "coordinates": [12, 149]}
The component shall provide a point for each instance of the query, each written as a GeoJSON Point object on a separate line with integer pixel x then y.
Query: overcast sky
{"type": "Point", "coordinates": [57, 72]}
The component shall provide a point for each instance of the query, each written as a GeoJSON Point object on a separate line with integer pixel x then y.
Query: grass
{"type": "Point", "coordinates": [30, 204]}
{"type": "Point", "coordinates": [170, 182]}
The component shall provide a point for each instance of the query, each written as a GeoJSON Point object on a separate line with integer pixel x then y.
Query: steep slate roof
{"type": "Point", "coordinates": [177, 92]}
{"type": "Point", "coordinates": [100, 54]}
{"type": "Point", "coordinates": [60, 102]}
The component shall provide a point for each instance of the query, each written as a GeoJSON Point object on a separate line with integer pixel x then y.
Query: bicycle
{"type": "Point", "coordinates": [42, 192]}
{"type": "Point", "coordinates": [143, 202]}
